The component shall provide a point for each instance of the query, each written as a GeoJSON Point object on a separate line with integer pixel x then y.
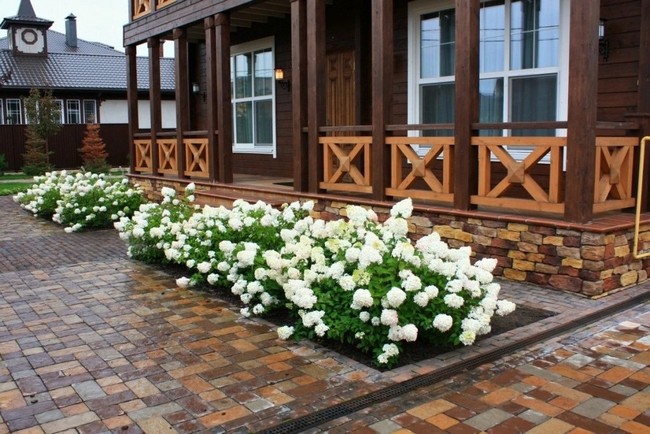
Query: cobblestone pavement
{"type": "Point", "coordinates": [92, 342]}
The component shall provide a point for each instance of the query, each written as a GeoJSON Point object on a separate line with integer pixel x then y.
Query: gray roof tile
{"type": "Point", "coordinates": [90, 66]}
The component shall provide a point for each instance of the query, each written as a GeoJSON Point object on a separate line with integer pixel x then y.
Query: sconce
{"type": "Point", "coordinates": [196, 90]}
{"type": "Point", "coordinates": [603, 42]}
{"type": "Point", "coordinates": [279, 79]}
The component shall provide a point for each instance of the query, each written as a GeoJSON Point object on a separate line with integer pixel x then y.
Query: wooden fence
{"type": "Point", "coordinates": [65, 145]}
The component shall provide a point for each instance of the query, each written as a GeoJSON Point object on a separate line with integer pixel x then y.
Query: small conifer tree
{"type": "Point", "coordinates": [43, 121]}
{"type": "Point", "coordinates": [93, 152]}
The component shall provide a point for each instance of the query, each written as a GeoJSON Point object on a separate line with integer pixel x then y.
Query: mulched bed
{"type": "Point", "coordinates": [417, 351]}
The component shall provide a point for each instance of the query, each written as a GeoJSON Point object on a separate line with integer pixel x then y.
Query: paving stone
{"type": "Point", "coordinates": [118, 345]}
{"type": "Point", "coordinates": [594, 407]}
{"type": "Point", "coordinates": [89, 390]}
{"type": "Point", "coordinates": [488, 419]}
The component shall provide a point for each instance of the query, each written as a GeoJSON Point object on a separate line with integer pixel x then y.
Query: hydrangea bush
{"type": "Point", "coordinates": [356, 281]}
{"type": "Point", "coordinates": [81, 200]}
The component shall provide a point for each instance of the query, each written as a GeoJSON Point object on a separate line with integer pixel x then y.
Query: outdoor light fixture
{"type": "Point", "coordinates": [279, 79]}
{"type": "Point", "coordinates": [195, 88]}
{"type": "Point", "coordinates": [603, 43]}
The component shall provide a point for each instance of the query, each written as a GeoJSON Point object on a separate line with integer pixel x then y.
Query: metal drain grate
{"type": "Point", "coordinates": [319, 417]}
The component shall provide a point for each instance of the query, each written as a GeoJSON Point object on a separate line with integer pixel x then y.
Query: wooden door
{"type": "Point", "coordinates": [341, 106]}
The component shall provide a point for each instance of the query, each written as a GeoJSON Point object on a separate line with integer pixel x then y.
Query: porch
{"type": "Point", "coordinates": [550, 198]}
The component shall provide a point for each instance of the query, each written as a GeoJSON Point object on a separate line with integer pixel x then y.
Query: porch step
{"type": "Point", "coordinates": [227, 195]}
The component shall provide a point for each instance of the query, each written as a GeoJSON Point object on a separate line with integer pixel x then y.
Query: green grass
{"type": "Point", "coordinates": [9, 188]}
{"type": "Point", "coordinates": [15, 176]}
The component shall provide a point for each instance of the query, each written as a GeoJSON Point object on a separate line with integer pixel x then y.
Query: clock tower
{"type": "Point", "coordinates": [26, 33]}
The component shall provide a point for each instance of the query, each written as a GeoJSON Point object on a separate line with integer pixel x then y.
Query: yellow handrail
{"type": "Point", "coordinates": [639, 194]}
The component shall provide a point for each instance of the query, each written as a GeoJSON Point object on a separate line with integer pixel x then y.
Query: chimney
{"type": "Point", "coordinates": [71, 31]}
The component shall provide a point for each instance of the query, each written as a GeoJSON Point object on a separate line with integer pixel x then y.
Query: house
{"type": "Point", "coordinates": [514, 125]}
{"type": "Point", "coordinates": [87, 79]}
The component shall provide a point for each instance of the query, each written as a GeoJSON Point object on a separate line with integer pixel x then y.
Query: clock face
{"type": "Point", "coordinates": [30, 41]}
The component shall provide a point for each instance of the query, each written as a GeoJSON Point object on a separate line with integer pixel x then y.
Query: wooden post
{"type": "Point", "coordinates": [299, 94]}
{"type": "Point", "coordinates": [382, 91]}
{"type": "Point", "coordinates": [132, 100]}
{"type": "Point", "coordinates": [182, 96]}
{"type": "Point", "coordinates": [583, 95]}
{"type": "Point", "coordinates": [466, 102]}
{"type": "Point", "coordinates": [643, 105]}
{"type": "Point", "coordinates": [154, 99]}
{"type": "Point", "coordinates": [211, 97]}
{"type": "Point", "coordinates": [224, 100]}
{"type": "Point", "coordinates": [316, 88]}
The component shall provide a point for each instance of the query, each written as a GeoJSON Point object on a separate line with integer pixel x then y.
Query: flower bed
{"type": "Point", "coordinates": [81, 200]}
{"type": "Point", "coordinates": [355, 281]}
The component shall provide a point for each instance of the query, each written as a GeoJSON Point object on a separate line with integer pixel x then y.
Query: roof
{"type": "Point", "coordinates": [25, 15]}
{"type": "Point", "coordinates": [89, 66]}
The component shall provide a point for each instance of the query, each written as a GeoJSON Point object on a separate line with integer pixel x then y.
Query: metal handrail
{"type": "Point", "coordinates": [639, 194]}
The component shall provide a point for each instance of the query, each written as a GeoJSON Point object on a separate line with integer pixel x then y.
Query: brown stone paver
{"type": "Point", "coordinates": [91, 341]}
{"type": "Point", "coordinates": [521, 399]}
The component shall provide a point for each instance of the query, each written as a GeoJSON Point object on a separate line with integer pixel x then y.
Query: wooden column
{"type": "Point", "coordinates": [182, 96]}
{"type": "Point", "coordinates": [316, 88]}
{"type": "Point", "coordinates": [154, 99]}
{"type": "Point", "coordinates": [211, 96]}
{"type": "Point", "coordinates": [299, 93]}
{"type": "Point", "coordinates": [466, 102]}
{"type": "Point", "coordinates": [224, 100]}
{"type": "Point", "coordinates": [643, 105]}
{"type": "Point", "coordinates": [132, 100]}
{"type": "Point", "coordinates": [583, 95]}
{"type": "Point", "coordinates": [382, 91]}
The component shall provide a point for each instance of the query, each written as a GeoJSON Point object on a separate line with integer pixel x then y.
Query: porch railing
{"type": "Point", "coordinates": [514, 173]}
{"type": "Point", "coordinates": [195, 164]}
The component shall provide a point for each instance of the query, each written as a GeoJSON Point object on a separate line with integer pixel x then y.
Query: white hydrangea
{"type": "Point", "coordinates": [389, 317]}
{"type": "Point", "coordinates": [443, 322]}
{"type": "Point", "coordinates": [505, 307]}
{"type": "Point", "coordinates": [454, 301]}
{"type": "Point", "coordinates": [285, 332]}
{"type": "Point", "coordinates": [182, 282]}
{"type": "Point", "coordinates": [402, 209]}
{"type": "Point", "coordinates": [395, 297]}
{"type": "Point", "coordinates": [361, 298]}
{"type": "Point", "coordinates": [467, 337]}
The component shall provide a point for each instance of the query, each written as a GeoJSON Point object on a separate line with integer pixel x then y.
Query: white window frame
{"type": "Point", "coordinates": [69, 110]}
{"type": "Point", "coordinates": [59, 103]}
{"type": "Point", "coordinates": [20, 110]}
{"type": "Point", "coordinates": [84, 115]}
{"type": "Point", "coordinates": [250, 148]}
{"type": "Point", "coordinates": [421, 7]}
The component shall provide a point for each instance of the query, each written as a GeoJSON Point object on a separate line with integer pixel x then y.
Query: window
{"type": "Point", "coordinates": [14, 111]}
{"type": "Point", "coordinates": [58, 106]}
{"type": "Point", "coordinates": [2, 117]}
{"type": "Point", "coordinates": [74, 111]}
{"type": "Point", "coordinates": [253, 103]}
{"type": "Point", "coordinates": [523, 58]}
{"type": "Point", "coordinates": [90, 111]}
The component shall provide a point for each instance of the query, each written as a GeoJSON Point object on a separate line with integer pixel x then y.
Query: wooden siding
{"type": "Point", "coordinates": [618, 75]}
{"type": "Point", "coordinates": [65, 145]}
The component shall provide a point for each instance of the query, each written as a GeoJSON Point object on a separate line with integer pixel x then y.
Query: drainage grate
{"type": "Point", "coordinates": [319, 417]}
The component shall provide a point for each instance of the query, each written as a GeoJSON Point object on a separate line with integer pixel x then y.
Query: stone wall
{"type": "Point", "coordinates": [589, 262]}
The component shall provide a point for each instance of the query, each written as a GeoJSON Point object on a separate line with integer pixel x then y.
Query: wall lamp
{"type": "Point", "coordinates": [196, 90]}
{"type": "Point", "coordinates": [603, 42]}
{"type": "Point", "coordinates": [279, 79]}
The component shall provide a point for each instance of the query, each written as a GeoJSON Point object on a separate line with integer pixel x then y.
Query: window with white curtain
{"type": "Point", "coordinates": [90, 111]}
{"type": "Point", "coordinates": [523, 58]}
{"type": "Point", "coordinates": [74, 111]}
{"type": "Point", "coordinates": [253, 97]}
{"type": "Point", "coordinates": [58, 106]}
{"type": "Point", "coordinates": [14, 111]}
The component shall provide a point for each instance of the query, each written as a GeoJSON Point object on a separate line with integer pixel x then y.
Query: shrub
{"type": "Point", "coordinates": [355, 281]}
{"type": "Point", "coordinates": [79, 201]}
{"type": "Point", "coordinates": [93, 152]}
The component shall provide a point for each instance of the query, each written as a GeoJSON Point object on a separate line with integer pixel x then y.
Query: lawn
{"type": "Point", "coordinates": [8, 188]}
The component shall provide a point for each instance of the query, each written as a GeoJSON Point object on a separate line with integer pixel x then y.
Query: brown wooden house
{"type": "Point", "coordinates": [514, 125]}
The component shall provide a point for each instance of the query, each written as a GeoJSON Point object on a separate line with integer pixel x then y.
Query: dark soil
{"type": "Point", "coordinates": [417, 351]}
{"type": "Point", "coordinates": [411, 352]}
